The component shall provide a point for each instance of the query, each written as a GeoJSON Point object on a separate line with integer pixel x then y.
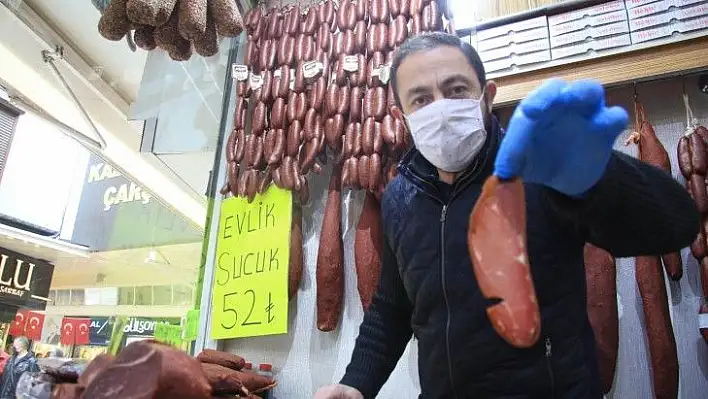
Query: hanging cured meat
{"type": "Point", "coordinates": [367, 249]}
{"type": "Point", "coordinates": [601, 279]}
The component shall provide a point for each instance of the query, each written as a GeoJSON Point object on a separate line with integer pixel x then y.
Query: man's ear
{"type": "Point", "coordinates": [491, 93]}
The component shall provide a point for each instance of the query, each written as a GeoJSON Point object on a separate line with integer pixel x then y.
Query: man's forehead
{"type": "Point", "coordinates": [435, 64]}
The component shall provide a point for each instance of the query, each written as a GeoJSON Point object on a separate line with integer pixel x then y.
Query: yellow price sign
{"type": "Point", "coordinates": [250, 296]}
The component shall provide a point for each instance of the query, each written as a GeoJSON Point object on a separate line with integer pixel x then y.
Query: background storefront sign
{"type": "Point", "coordinates": [24, 281]}
{"type": "Point", "coordinates": [116, 213]}
{"type": "Point", "coordinates": [250, 295]}
{"type": "Point", "coordinates": [101, 328]}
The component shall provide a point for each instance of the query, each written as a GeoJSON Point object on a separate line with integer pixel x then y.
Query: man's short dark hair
{"type": "Point", "coordinates": [429, 41]}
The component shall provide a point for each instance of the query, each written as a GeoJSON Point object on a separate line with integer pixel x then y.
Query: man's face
{"type": "Point", "coordinates": [17, 344]}
{"type": "Point", "coordinates": [443, 72]}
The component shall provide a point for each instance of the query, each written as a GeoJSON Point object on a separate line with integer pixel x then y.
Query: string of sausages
{"type": "Point", "coordinates": [692, 151]}
{"type": "Point", "coordinates": [650, 276]}
{"type": "Point", "coordinates": [314, 87]}
{"type": "Point", "coordinates": [180, 27]}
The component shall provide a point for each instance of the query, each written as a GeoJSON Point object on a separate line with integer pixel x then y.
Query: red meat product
{"type": "Point", "coordinates": [330, 259]}
{"type": "Point", "coordinates": [221, 358]}
{"type": "Point", "coordinates": [367, 250]}
{"type": "Point", "coordinates": [662, 343]}
{"type": "Point", "coordinates": [147, 369]}
{"type": "Point", "coordinates": [652, 152]}
{"type": "Point", "coordinates": [497, 246]}
{"type": "Point", "coordinates": [222, 379]}
{"type": "Point", "coordinates": [296, 253]}
{"type": "Point", "coordinates": [601, 277]}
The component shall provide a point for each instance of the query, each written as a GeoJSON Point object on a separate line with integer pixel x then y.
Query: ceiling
{"type": "Point", "coordinates": [77, 20]}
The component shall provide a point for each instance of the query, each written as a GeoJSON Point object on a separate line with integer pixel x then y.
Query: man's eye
{"type": "Point", "coordinates": [418, 101]}
{"type": "Point", "coordinates": [459, 90]}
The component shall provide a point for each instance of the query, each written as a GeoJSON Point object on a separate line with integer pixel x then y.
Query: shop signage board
{"type": "Point", "coordinates": [24, 281]}
{"type": "Point", "coordinates": [250, 291]}
{"type": "Point", "coordinates": [101, 328]}
{"type": "Point", "coordinates": [116, 213]}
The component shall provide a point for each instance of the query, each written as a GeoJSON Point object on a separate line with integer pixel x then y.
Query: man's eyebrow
{"type": "Point", "coordinates": [458, 78]}
{"type": "Point", "coordinates": [417, 90]}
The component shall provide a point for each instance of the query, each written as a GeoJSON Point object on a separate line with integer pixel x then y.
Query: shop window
{"type": "Point", "coordinates": [182, 295]}
{"type": "Point", "coordinates": [77, 297]}
{"type": "Point", "coordinates": [53, 297]}
{"type": "Point", "coordinates": [162, 295]}
{"type": "Point", "coordinates": [126, 296]}
{"type": "Point", "coordinates": [63, 297]}
{"type": "Point", "coordinates": [143, 296]}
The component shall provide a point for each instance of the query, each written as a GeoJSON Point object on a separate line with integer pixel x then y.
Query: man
{"type": "Point", "coordinates": [578, 190]}
{"type": "Point", "coordinates": [21, 362]}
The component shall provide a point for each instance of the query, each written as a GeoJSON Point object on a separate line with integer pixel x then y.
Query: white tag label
{"type": "Point", "coordinates": [256, 82]}
{"type": "Point", "coordinates": [276, 74]}
{"type": "Point", "coordinates": [310, 69]}
{"type": "Point", "coordinates": [703, 320]}
{"type": "Point", "coordinates": [384, 73]}
{"type": "Point", "coordinates": [239, 72]}
{"type": "Point", "coordinates": [351, 63]}
{"type": "Point", "coordinates": [292, 79]}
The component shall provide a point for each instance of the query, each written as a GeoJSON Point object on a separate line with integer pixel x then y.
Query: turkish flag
{"type": "Point", "coordinates": [17, 327]}
{"type": "Point", "coordinates": [67, 331]}
{"type": "Point", "coordinates": [33, 330]}
{"type": "Point", "coordinates": [81, 329]}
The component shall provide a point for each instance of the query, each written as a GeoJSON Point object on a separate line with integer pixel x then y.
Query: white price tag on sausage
{"type": "Point", "coordinates": [310, 69]}
{"type": "Point", "coordinates": [256, 82]}
{"type": "Point", "coordinates": [277, 73]}
{"type": "Point", "coordinates": [350, 63]}
{"type": "Point", "coordinates": [292, 80]}
{"type": "Point", "coordinates": [384, 73]}
{"type": "Point", "coordinates": [239, 72]}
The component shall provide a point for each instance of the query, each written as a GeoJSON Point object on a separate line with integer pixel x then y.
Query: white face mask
{"type": "Point", "coordinates": [449, 132]}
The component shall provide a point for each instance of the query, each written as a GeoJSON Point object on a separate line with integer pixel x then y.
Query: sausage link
{"type": "Point", "coordinates": [348, 144]}
{"type": "Point", "coordinates": [240, 145]}
{"type": "Point", "coordinates": [358, 134]}
{"type": "Point", "coordinates": [374, 172]}
{"type": "Point", "coordinates": [360, 35]}
{"type": "Point", "coordinates": [326, 14]}
{"type": "Point", "coordinates": [699, 162]}
{"type": "Point", "coordinates": [251, 55]}
{"type": "Point", "coordinates": [364, 177]}
{"type": "Point", "coordinates": [324, 39]}
{"type": "Point", "coordinates": [330, 259]}
{"type": "Point", "coordinates": [698, 188]}
{"type": "Point", "coordinates": [309, 127]}
{"type": "Point", "coordinates": [359, 77]}
{"type": "Point", "coordinates": [416, 25]}
{"type": "Point", "coordinates": [277, 179]}
{"type": "Point", "coordinates": [395, 8]}
{"type": "Point", "coordinates": [698, 247]}
{"type": "Point", "coordinates": [304, 48]}
{"type": "Point", "coordinates": [367, 137]}
{"type": "Point", "coordinates": [308, 153]}
{"type": "Point", "coordinates": [264, 180]}
{"type": "Point", "coordinates": [684, 157]}
{"type": "Point", "coordinates": [286, 50]}
{"type": "Point", "coordinates": [284, 82]}
{"type": "Point", "coordinates": [345, 173]}
{"type": "Point", "coordinates": [341, 75]}
{"type": "Point", "coordinates": [375, 103]}
{"type": "Point", "coordinates": [399, 26]}
{"type": "Point", "coordinates": [356, 96]}
{"type": "Point", "coordinates": [233, 177]}
{"type": "Point", "coordinates": [299, 83]}
{"type": "Point", "coordinates": [379, 11]}
{"type": "Point", "coordinates": [266, 95]}
{"type": "Point", "coordinates": [378, 139]}
{"type": "Point", "coordinates": [258, 121]}
{"type": "Point", "coordinates": [297, 107]}
{"type": "Point", "coordinates": [362, 10]}
{"type": "Point", "coordinates": [662, 343]}
{"type": "Point", "coordinates": [311, 22]}
{"type": "Point", "coordinates": [294, 138]}
{"type": "Point", "coordinates": [278, 114]}
{"type": "Point", "coordinates": [332, 98]}
{"type": "Point", "coordinates": [243, 89]}
{"type": "Point", "coordinates": [292, 21]}
{"type": "Point", "coordinates": [278, 147]}
{"type": "Point", "coordinates": [230, 146]}
{"type": "Point", "coordinates": [354, 173]}
{"type": "Point", "coordinates": [240, 113]}
{"type": "Point", "coordinates": [317, 93]}
{"type": "Point", "coordinates": [286, 173]}
{"type": "Point", "coordinates": [268, 144]}
{"type": "Point", "coordinates": [388, 130]}
{"type": "Point", "coordinates": [344, 99]}
{"type": "Point", "coordinates": [257, 152]}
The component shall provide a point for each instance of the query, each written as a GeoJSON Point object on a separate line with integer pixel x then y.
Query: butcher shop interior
{"type": "Point", "coordinates": [197, 189]}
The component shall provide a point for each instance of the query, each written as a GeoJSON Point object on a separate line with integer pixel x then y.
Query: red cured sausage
{"type": "Point", "coordinates": [497, 246]}
{"type": "Point", "coordinates": [662, 343]}
{"type": "Point", "coordinates": [601, 278]}
{"type": "Point", "coordinates": [651, 151]}
{"type": "Point", "coordinates": [296, 253]}
{"type": "Point", "coordinates": [367, 250]}
{"type": "Point", "coordinates": [330, 259]}
{"type": "Point", "coordinates": [379, 11]}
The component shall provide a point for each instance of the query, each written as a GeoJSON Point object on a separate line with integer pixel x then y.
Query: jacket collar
{"type": "Point", "coordinates": [416, 168]}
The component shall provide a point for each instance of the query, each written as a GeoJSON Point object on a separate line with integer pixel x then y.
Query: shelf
{"type": "Point", "coordinates": [632, 66]}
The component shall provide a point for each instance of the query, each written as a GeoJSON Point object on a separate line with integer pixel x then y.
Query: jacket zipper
{"type": "Point", "coordinates": [550, 368]}
{"type": "Point", "coordinates": [443, 215]}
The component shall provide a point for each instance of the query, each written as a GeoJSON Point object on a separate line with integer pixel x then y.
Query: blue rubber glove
{"type": "Point", "coordinates": [561, 136]}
